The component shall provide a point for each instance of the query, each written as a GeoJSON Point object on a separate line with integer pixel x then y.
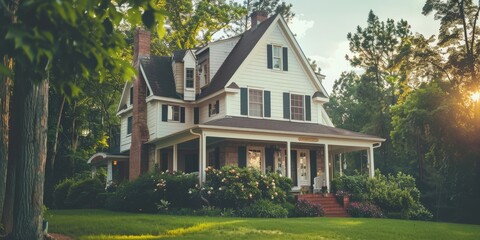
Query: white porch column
{"type": "Point", "coordinates": [94, 171]}
{"type": "Point", "coordinates": [109, 173]}
{"type": "Point", "coordinates": [327, 168]}
{"type": "Point", "coordinates": [289, 161]}
{"type": "Point", "coordinates": [203, 161]}
{"type": "Point", "coordinates": [175, 158]}
{"type": "Point", "coordinates": [341, 164]}
{"type": "Point", "coordinates": [371, 164]}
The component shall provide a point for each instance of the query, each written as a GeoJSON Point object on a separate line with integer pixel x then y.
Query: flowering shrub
{"type": "Point", "coordinates": [303, 208]}
{"type": "Point", "coordinates": [420, 213]}
{"type": "Point", "coordinates": [263, 209]}
{"type": "Point", "coordinates": [366, 210]}
{"type": "Point", "coordinates": [234, 187]}
{"type": "Point", "coordinates": [147, 191]}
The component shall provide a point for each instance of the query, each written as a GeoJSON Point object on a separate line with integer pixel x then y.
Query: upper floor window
{"type": "Point", "coordinates": [131, 95]}
{"type": "Point", "coordinates": [297, 107]}
{"type": "Point", "coordinates": [173, 113]}
{"type": "Point", "coordinates": [129, 125]}
{"type": "Point", "coordinates": [255, 102]}
{"type": "Point", "coordinates": [277, 57]}
{"type": "Point", "coordinates": [214, 108]}
{"type": "Point", "coordinates": [189, 78]}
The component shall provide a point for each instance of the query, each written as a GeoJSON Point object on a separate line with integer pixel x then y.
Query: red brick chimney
{"type": "Point", "coordinates": [138, 163]}
{"type": "Point", "coordinates": [257, 17]}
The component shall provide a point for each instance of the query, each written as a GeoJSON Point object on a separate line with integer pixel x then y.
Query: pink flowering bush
{"type": "Point", "coordinates": [234, 187]}
{"type": "Point", "coordinates": [365, 210]}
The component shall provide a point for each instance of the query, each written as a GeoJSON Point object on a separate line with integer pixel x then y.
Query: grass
{"type": "Point", "coordinates": [101, 224]}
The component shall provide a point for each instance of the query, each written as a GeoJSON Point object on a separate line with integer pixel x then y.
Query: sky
{"type": "Point", "coordinates": [321, 27]}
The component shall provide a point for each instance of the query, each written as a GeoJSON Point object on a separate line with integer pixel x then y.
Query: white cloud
{"type": "Point", "coordinates": [332, 66]}
{"type": "Point", "coordinates": [299, 25]}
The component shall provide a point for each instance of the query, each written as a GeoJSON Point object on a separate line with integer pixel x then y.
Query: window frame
{"type": "Point", "coordinates": [279, 57]}
{"type": "Point", "coordinates": [262, 115]}
{"type": "Point", "coordinates": [303, 107]}
{"type": "Point", "coordinates": [192, 79]}
{"type": "Point", "coordinates": [170, 114]}
{"type": "Point", "coordinates": [262, 155]}
{"type": "Point", "coordinates": [129, 122]}
{"type": "Point", "coordinates": [213, 110]}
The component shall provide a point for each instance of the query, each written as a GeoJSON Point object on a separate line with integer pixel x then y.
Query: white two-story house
{"type": "Point", "coordinates": [252, 101]}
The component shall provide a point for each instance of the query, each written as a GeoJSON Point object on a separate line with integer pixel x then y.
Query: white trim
{"type": "Point", "coordinates": [125, 111]}
{"type": "Point", "coordinates": [263, 102]}
{"type": "Point", "coordinates": [304, 108]}
{"type": "Point", "coordinates": [121, 98]}
{"type": "Point", "coordinates": [146, 80]}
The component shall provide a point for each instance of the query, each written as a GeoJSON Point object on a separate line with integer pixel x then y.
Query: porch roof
{"type": "Point", "coordinates": [101, 158]}
{"type": "Point", "coordinates": [288, 126]}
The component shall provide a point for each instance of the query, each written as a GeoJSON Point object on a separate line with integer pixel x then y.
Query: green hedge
{"type": "Point", "coordinates": [83, 194]}
{"type": "Point", "coordinates": [146, 192]}
{"type": "Point", "coordinates": [263, 209]}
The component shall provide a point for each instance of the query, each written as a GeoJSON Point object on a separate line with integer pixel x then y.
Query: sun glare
{"type": "Point", "coordinates": [475, 96]}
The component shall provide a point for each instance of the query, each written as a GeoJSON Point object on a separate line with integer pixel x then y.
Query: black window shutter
{"type": "Point", "coordinates": [131, 95]}
{"type": "Point", "coordinates": [242, 156]}
{"type": "Point", "coordinates": [164, 113]}
{"type": "Point", "coordinates": [285, 59]}
{"type": "Point", "coordinates": [269, 57]}
{"type": "Point", "coordinates": [244, 101]}
{"type": "Point", "coordinates": [196, 115]}
{"type": "Point", "coordinates": [308, 108]}
{"type": "Point", "coordinates": [217, 107]}
{"type": "Point", "coordinates": [286, 105]}
{"type": "Point", "coordinates": [182, 115]}
{"type": "Point", "coordinates": [313, 166]}
{"type": "Point", "coordinates": [216, 163]}
{"type": "Point", "coordinates": [293, 170]}
{"type": "Point", "coordinates": [266, 103]}
{"type": "Point", "coordinates": [129, 125]}
{"type": "Point", "coordinates": [209, 109]}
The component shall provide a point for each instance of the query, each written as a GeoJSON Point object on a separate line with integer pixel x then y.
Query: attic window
{"type": "Point", "coordinates": [189, 79]}
{"type": "Point", "coordinates": [131, 95]}
{"type": "Point", "coordinates": [277, 57]}
{"type": "Point", "coordinates": [174, 113]}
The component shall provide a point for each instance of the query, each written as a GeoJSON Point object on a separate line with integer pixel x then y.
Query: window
{"type": "Point", "coordinates": [131, 95]}
{"type": "Point", "coordinates": [255, 158]}
{"type": "Point", "coordinates": [189, 75]}
{"type": "Point", "coordinates": [255, 102]}
{"type": "Point", "coordinates": [174, 113]}
{"type": "Point", "coordinates": [277, 57]}
{"type": "Point", "coordinates": [205, 73]}
{"type": "Point", "coordinates": [129, 125]}
{"type": "Point", "coordinates": [297, 107]}
{"type": "Point", "coordinates": [214, 108]}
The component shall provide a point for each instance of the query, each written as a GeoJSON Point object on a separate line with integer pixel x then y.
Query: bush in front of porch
{"type": "Point", "coordinates": [234, 187]}
{"type": "Point", "coordinates": [396, 195]}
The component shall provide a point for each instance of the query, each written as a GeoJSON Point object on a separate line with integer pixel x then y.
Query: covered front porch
{"type": "Point", "coordinates": [309, 159]}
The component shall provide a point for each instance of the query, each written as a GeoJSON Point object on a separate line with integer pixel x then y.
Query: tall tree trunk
{"type": "Point", "coordinates": [31, 112]}
{"type": "Point", "coordinates": [5, 84]}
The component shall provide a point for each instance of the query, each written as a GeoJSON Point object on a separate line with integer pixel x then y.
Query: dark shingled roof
{"type": "Point", "coordinates": [319, 94]}
{"type": "Point", "coordinates": [233, 85]}
{"type": "Point", "coordinates": [179, 55]}
{"type": "Point", "coordinates": [160, 76]}
{"type": "Point", "coordinates": [286, 126]}
{"type": "Point", "coordinates": [236, 57]}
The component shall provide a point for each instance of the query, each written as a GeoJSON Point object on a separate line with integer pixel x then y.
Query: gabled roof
{"type": "Point", "coordinates": [178, 55]}
{"type": "Point", "coordinates": [236, 57]}
{"type": "Point", "coordinates": [159, 74]}
{"type": "Point", "coordinates": [288, 126]}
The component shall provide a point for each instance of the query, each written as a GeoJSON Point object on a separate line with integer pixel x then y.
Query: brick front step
{"type": "Point", "coordinates": [329, 204]}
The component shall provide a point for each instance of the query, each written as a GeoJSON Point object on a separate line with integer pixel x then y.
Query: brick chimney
{"type": "Point", "coordinates": [138, 163]}
{"type": "Point", "coordinates": [257, 17]}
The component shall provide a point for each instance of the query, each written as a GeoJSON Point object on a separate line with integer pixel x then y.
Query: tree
{"type": "Point", "coordinates": [68, 40]}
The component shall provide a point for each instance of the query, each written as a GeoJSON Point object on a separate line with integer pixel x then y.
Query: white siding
{"type": "Point", "coordinates": [254, 73]}
{"type": "Point", "coordinates": [167, 128]}
{"type": "Point", "coordinates": [218, 52]}
{"type": "Point", "coordinates": [125, 139]}
{"type": "Point", "coordinates": [203, 116]}
{"type": "Point", "coordinates": [152, 118]}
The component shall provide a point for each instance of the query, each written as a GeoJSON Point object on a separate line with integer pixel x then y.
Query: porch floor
{"type": "Point", "coordinates": [329, 204]}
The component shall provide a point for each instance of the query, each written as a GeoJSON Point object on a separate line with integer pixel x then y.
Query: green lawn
{"type": "Point", "coordinates": [100, 224]}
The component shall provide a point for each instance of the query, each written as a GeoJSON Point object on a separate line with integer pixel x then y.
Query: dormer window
{"type": "Point", "coordinates": [131, 95]}
{"type": "Point", "coordinates": [189, 78]}
{"type": "Point", "coordinates": [277, 57]}
{"type": "Point", "coordinates": [173, 113]}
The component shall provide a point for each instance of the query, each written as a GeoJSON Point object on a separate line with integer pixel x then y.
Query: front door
{"type": "Point", "coordinates": [303, 168]}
